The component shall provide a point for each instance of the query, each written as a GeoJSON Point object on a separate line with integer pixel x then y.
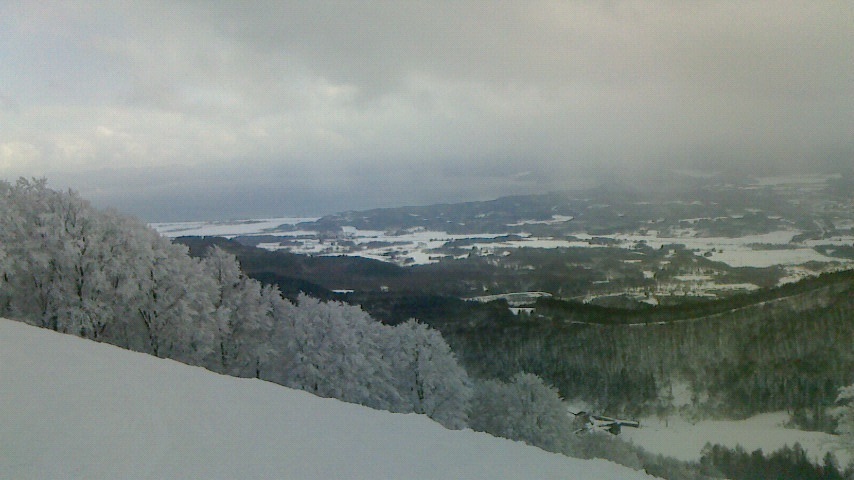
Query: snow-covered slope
{"type": "Point", "coordinates": [70, 408]}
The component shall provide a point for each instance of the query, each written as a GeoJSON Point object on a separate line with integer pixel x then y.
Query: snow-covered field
{"type": "Point", "coordinates": [419, 246]}
{"type": "Point", "coordinates": [684, 440]}
{"type": "Point", "coordinates": [736, 251]}
{"type": "Point", "coordinates": [228, 228]}
{"type": "Point", "coordinates": [75, 409]}
{"type": "Point", "coordinates": [416, 246]}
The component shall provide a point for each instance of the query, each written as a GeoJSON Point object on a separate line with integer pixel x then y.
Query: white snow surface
{"type": "Point", "coordinates": [72, 408]}
{"type": "Point", "coordinates": [684, 440]}
{"type": "Point", "coordinates": [555, 219]}
{"type": "Point", "coordinates": [226, 228]}
{"type": "Point", "coordinates": [416, 246]}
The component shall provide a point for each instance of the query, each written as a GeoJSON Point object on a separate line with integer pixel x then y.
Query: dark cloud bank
{"type": "Point", "coordinates": [222, 109]}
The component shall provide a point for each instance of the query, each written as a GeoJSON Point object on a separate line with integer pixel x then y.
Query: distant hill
{"type": "Point", "coordinates": [616, 246]}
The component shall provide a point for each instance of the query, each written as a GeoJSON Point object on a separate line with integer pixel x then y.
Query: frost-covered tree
{"type": "Point", "coordinates": [524, 409]}
{"type": "Point", "coordinates": [72, 268]}
{"type": "Point", "coordinates": [29, 241]}
{"type": "Point", "coordinates": [128, 247]}
{"type": "Point", "coordinates": [69, 267]}
{"type": "Point", "coordinates": [56, 241]}
{"type": "Point", "coordinates": [330, 349]}
{"type": "Point", "coordinates": [339, 351]}
{"type": "Point", "coordinates": [5, 260]}
{"type": "Point", "coordinates": [427, 375]}
{"type": "Point", "coordinates": [5, 270]}
{"type": "Point", "coordinates": [240, 312]}
{"type": "Point", "coordinates": [77, 279]}
{"type": "Point", "coordinates": [265, 346]}
{"type": "Point", "coordinates": [174, 304]}
{"type": "Point", "coordinates": [276, 356]}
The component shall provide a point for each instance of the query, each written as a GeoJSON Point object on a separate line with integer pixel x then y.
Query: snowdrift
{"type": "Point", "coordinates": [72, 408]}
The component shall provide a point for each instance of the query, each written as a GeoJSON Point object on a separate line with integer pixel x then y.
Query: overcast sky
{"type": "Point", "coordinates": [226, 109]}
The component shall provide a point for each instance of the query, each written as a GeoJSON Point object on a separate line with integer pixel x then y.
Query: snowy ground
{"type": "Point", "coordinates": [416, 246]}
{"type": "Point", "coordinates": [684, 440]}
{"type": "Point", "coordinates": [228, 229]}
{"type": "Point", "coordinates": [71, 408]}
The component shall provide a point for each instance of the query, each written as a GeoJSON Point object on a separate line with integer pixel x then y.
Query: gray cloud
{"type": "Point", "coordinates": [324, 105]}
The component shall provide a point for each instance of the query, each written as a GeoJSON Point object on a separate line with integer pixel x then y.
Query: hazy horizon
{"type": "Point", "coordinates": [205, 110]}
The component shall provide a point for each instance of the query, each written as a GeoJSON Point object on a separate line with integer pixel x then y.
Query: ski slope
{"type": "Point", "coordinates": [75, 409]}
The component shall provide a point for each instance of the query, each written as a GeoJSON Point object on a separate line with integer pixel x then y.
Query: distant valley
{"type": "Point", "coordinates": [711, 238]}
{"type": "Point", "coordinates": [736, 293]}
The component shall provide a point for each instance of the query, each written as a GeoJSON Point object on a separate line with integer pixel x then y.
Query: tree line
{"type": "Point", "coordinates": [787, 462]}
{"type": "Point", "coordinates": [767, 358]}
{"type": "Point", "coordinates": [69, 267]}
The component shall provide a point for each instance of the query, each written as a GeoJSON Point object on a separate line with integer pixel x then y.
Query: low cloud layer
{"type": "Point", "coordinates": [181, 109]}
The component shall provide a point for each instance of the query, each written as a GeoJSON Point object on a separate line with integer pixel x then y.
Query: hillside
{"type": "Point", "coordinates": [783, 348]}
{"type": "Point", "coordinates": [73, 408]}
{"type": "Point", "coordinates": [615, 246]}
{"type": "Point", "coordinates": [792, 349]}
{"type": "Point", "coordinates": [609, 246]}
